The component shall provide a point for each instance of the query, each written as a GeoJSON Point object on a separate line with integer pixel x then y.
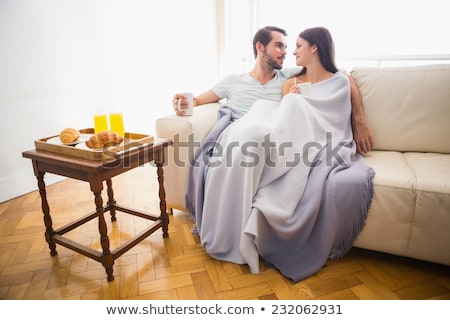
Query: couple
{"type": "Point", "coordinates": [284, 183]}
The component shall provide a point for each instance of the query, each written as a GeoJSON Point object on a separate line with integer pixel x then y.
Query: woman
{"type": "Point", "coordinates": [315, 52]}
{"type": "Point", "coordinates": [284, 183]}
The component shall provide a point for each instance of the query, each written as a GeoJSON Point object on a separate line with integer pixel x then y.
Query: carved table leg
{"type": "Point", "coordinates": [107, 258]}
{"type": "Point", "coordinates": [162, 199]}
{"type": "Point", "coordinates": [111, 201]}
{"type": "Point", "coordinates": [46, 211]}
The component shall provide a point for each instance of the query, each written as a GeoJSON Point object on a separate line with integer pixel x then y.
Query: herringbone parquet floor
{"type": "Point", "coordinates": [176, 267]}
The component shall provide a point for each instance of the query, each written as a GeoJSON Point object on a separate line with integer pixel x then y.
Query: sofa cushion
{"type": "Point", "coordinates": [430, 239]}
{"type": "Point", "coordinates": [407, 108]}
{"type": "Point", "coordinates": [432, 171]}
{"type": "Point", "coordinates": [391, 169]}
{"type": "Point", "coordinates": [388, 224]}
{"type": "Point", "coordinates": [431, 214]}
{"type": "Point", "coordinates": [410, 207]}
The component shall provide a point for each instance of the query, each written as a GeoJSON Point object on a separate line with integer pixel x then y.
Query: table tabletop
{"type": "Point", "coordinates": [83, 169]}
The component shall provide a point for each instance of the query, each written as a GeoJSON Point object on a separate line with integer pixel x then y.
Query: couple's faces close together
{"type": "Point", "coordinates": [274, 53]}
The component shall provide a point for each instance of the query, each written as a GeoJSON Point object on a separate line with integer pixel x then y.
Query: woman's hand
{"type": "Point", "coordinates": [294, 89]}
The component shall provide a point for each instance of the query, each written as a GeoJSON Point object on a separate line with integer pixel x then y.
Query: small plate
{"type": "Point", "coordinates": [81, 139]}
{"type": "Point", "coordinates": [73, 143]}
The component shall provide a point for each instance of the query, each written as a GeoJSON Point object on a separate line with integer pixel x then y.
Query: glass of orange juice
{"type": "Point", "coordinates": [116, 122]}
{"type": "Point", "coordinates": [100, 123]}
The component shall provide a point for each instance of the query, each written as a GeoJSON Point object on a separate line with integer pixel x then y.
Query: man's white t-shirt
{"type": "Point", "coordinates": [241, 90]}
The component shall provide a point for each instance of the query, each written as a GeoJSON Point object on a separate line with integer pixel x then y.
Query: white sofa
{"type": "Point", "coordinates": [408, 111]}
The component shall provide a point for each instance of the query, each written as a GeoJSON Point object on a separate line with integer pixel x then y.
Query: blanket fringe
{"type": "Point", "coordinates": [342, 249]}
{"type": "Point", "coordinates": [191, 209]}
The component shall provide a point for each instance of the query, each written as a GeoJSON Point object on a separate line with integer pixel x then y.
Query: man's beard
{"type": "Point", "coordinates": [271, 62]}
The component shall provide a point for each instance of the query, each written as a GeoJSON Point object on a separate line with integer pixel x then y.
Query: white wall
{"type": "Point", "coordinates": [61, 60]}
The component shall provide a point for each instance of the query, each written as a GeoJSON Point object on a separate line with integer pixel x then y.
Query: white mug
{"type": "Point", "coordinates": [305, 88]}
{"type": "Point", "coordinates": [190, 98]}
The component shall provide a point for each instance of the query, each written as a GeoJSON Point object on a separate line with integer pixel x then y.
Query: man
{"type": "Point", "coordinates": [265, 80]}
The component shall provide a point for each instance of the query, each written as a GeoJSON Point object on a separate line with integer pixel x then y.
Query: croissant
{"type": "Point", "coordinates": [103, 139]}
{"type": "Point", "coordinates": [69, 135]}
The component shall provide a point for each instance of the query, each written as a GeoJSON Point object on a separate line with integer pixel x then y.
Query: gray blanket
{"type": "Point", "coordinates": [283, 184]}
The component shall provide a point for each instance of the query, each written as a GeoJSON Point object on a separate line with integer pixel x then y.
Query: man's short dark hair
{"type": "Point", "coordinates": [264, 36]}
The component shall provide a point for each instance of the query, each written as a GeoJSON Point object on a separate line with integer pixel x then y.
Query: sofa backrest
{"type": "Point", "coordinates": [407, 108]}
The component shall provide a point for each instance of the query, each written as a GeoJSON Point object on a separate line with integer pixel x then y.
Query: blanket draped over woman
{"type": "Point", "coordinates": [283, 183]}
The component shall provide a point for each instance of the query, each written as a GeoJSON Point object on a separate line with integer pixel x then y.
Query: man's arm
{"type": "Point", "coordinates": [361, 131]}
{"type": "Point", "coordinates": [206, 97]}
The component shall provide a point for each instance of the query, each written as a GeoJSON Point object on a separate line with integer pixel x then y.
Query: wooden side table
{"type": "Point", "coordinates": [96, 172]}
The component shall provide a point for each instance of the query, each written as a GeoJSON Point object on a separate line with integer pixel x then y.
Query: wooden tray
{"type": "Point", "coordinates": [79, 149]}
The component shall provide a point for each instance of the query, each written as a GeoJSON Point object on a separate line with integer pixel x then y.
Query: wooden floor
{"type": "Point", "coordinates": [176, 267]}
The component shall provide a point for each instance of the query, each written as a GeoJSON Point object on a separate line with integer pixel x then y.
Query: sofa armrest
{"type": "Point", "coordinates": [186, 132]}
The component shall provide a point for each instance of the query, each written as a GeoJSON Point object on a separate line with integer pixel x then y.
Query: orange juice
{"type": "Point", "coordinates": [100, 123]}
{"type": "Point", "coordinates": [116, 122]}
